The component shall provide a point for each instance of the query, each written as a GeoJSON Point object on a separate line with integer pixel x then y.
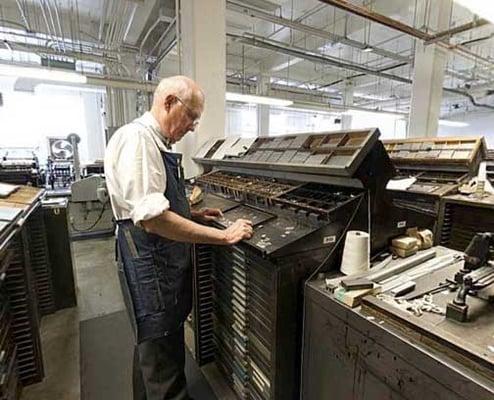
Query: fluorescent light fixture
{"type": "Point", "coordinates": [247, 98]}
{"type": "Point", "coordinates": [453, 124]}
{"type": "Point", "coordinates": [367, 49]}
{"type": "Point", "coordinates": [371, 113]}
{"type": "Point", "coordinates": [44, 74]}
{"type": "Point", "coordinates": [483, 8]}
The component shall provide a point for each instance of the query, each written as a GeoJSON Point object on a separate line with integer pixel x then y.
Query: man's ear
{"type": "Point", "coordinates": [169, 101]}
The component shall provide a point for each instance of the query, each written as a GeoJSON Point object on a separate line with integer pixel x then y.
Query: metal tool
{"type": "Point", "coordinates": [403, 266]}
{"type": "Point", "coordinates": [442, 286]}
{"type": "Point", "coordinates": [475, 275]}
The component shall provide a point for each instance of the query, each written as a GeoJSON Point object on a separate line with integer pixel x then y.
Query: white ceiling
{"type": "Point", "coordinates": [249, 62]}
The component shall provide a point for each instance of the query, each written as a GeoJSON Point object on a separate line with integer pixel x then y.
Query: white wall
{"type": "Point", "coordinates": [481, 123]}
{"type": "Point", "coordinates": [390, 126]}
{"type": "Point", "coordinates": [241, 119]}
{"type": "Point", "coordinates": [27, 118]}
{"type": "Point", "coordinates": [285, 120]}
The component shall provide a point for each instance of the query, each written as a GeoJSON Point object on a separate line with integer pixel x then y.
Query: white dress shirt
{"type": "Point", "coordinates": [134, 170]}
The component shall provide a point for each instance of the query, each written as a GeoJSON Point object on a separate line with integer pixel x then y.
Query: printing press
{"type": "Point", "coordinates": [428, 170]}
{"type": "Point", "coordinates": [20, 166]}
{"type": "Point", "coordinates": [302, 192]}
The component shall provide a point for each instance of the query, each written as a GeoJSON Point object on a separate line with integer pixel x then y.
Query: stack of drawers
{"type": "Point", "coordinates": [9, 381]}
{"type": "Point", "coordinates": [40, 262]}
{"type": "Point", "coordinates": [25, 319]}
{"type": "Point", "coordinates": [231, 283]}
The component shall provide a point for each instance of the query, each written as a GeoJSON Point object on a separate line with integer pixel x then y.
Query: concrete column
{"type": "Point", "coordinates": [428, 79]}
{"type": "Point", "coordinates": [263, 110]}
{"type": "Point", "coordinates": [203, 46]}
{"type": "Point", "coordinates": [130, 96]}
{"type": "Point", "coordinates": [94, 126]}
{"type": "Point", "coordinates": [263, 119]}
{"type": "Point", "coordinates": [346, 119]}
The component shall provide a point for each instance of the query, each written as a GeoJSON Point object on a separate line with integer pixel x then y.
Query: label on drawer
{"type": "Point", "coordinates": [329, 239]}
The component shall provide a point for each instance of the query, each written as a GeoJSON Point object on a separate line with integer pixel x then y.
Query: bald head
{"type": "Point", "coordinates": [178, 103]}
{"type": "Point", "coordinates": [181, 86]}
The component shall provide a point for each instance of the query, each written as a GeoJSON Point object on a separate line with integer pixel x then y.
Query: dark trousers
{"type": "Point", "coordinates": [159, 369]}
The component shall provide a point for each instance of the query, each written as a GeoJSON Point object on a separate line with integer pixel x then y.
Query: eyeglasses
{"type": "Point", "coordinates": [190, 113]}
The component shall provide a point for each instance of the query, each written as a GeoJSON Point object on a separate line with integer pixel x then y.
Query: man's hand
{"type": "Point", "coordinates": [239, 230]}
{"type": "Point", "coordinates": [207, 214]}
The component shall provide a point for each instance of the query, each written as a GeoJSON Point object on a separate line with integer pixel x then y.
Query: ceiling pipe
{"type": "Point", "coordinates": [121, 26]}
{"type": "Point", "coordinates": [118, 22]}
{"type": "Point", "coordinates": [252, 12]}
{"type": "Point", "coordinates": [107, 26]}
{"type": "Point", "coordinates": [171, 26]}
{"type": "Point", "coordinates": [78, 55]}
{"type": "Point", "coordinates": [129, 24]}
{"type": "Point", "coordinates": [23, 14]}
{"type": "Point", "coordinates": [45, 18]}
{"type": "Point", "coordinates": [162, 55]}
{"type": "Point", "coordinates": [118, 83]}
{"type": "Point", "coordinates": [240, 8]}
{"type": "Point", "coordinates": [102, 21]}
{"type": "Point", "coordinates": [161, 18]}
{"type": "Point", "coordinates": [52, 20]}
{"type": "Point", "coordinates": [57, 16]}
{"type": "Point", "coordinates": [14, 23]}
{"type": "Point", "coordinates": [321, 59]}
{"type": "Point", "coordinates": [273, 45]}
{"type": "Point", "coordinates": [404, 28]}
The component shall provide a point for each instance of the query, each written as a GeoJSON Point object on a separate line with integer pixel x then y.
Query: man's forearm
{"type": "Point", "coordinates": [172, 226]}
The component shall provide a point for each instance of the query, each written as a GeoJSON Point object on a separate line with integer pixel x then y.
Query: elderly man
{"type": "Point", "coordinates": [146, 186]}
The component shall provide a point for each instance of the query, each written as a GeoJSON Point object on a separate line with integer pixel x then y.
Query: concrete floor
{"type": "Point", "coordinates": [97, 279]}
{"type": "Point", "coordinates": [60, 346]}
{"type": "Point", "coordinates": [98, 294]}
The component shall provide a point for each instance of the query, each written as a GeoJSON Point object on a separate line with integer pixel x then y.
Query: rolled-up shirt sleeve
{"type": "Point", "coordinates": [142, 177]}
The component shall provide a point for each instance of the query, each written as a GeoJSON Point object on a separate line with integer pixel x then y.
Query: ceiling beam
{"type": "Point", "coordinates": [378, 18]}
{"type": "Point", "coordinates": [284, 48]}
{"type": "Point", "coordinates": [407, 29]}
{"type": "Point", "coordinates": [252, 12]}
{"type": "Point", "coordinates": [454, 31]}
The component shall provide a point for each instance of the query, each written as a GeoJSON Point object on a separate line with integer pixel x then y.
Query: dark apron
{"type": "Point", "coordinates": [156, 273]}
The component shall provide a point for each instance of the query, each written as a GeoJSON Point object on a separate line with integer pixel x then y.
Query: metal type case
{"type": "Point", "coordinates": [440, 166]}
{"type": "Point", "coordinates": [302, 193]}
{"type": "Point", "coordinates": [461, 217]}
